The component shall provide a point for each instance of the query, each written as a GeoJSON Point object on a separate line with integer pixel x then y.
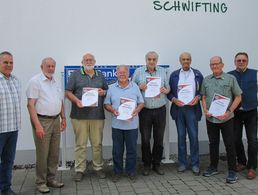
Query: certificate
{"type": "Point", "coordinates": [126, 108]}
{"type": "Point", "coordinates": [153, 86]}
{"type": "Point", "coordinates": [90, 97]}
{"type": "Point", "coordinates": [185, 92]}
{"type": "Point", "coordinates": [219, 105]}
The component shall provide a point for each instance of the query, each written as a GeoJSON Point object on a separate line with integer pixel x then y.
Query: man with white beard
{"type": "Point", "coordinates": [87, 121]}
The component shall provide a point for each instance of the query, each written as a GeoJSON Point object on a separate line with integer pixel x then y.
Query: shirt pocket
{"type": "Point", "coordinates": [227, 90]}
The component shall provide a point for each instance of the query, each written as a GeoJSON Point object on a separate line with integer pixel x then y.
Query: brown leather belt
{"type": "Point", "coordinates": [49, 117]}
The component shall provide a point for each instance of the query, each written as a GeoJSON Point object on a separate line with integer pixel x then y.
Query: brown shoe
{"type": "Point", "coordinates": [101, 174]}
{"type": "Point", "coordinates": [251, 174]}
{"type": "Point", "coordinates": [240, 167]}
{"type": "Point", "coordinates": [42, 188]}
{"type": "Point", "coordinates": [55, 184]}
{"type": "Point", "coordinates": [78, 176]}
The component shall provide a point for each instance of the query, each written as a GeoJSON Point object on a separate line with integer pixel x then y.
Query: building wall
{"type": "Point", "coordinates": [123, 32]}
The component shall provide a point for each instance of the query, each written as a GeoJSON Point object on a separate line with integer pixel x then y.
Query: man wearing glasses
{"type": "Point", "coordinates": [153, 115]}
{"type": "Point", "coordinates": [246, 114]}
{"type": "Point", "coordinates": [223, 87]}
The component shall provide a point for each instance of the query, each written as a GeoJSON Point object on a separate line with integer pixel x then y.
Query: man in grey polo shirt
{"type": "Point", "coordinates": [88, 122]}
{"type": "Point", "coordinates": [220, 84]}
{"type": "Point", "coordinates": [153, 115]}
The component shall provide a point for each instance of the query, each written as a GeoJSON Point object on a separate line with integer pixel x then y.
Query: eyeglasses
{"type": "Point", "coordinates": [241, 60]}
{"type": "Point", "coordinates": [215, 64]}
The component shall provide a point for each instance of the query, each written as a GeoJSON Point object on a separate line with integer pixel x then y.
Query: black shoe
{"type": "Point", "coordinates": [9, 192]}
{"type": "Point", "coordinates": [132, 178]}
{"type": "Point", "coordinates": [116, 177]}
{"type": "Point", "coordinates": [146, 171]}
{"type": "Point", "coordinates": [158, 170]}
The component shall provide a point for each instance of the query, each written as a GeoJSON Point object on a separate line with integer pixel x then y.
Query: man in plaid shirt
{"type": "Point", "coordinates": [10, 120]}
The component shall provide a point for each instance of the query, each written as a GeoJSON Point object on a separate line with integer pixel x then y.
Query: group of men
{"type": "Point", "coordinates": [46, 110]}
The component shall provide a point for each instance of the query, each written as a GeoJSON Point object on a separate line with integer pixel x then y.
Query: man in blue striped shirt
{"type": "Point", "coordinates": [10, 120]}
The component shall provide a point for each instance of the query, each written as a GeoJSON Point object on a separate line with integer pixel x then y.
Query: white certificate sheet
{"type": "Point", "coordinates": [185, 92]}
{"type": "Point", "coordinates": [126, 108]}
{"type": "Point", "coordinates": [219, 105]}
{"type": "Point", "coordinates": [90, 97]}
{"type": "Point", "coordinates": [153, 86]}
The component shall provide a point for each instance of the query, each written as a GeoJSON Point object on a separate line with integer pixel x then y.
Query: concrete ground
{"type": "Point", "coordinates": [171, 183]}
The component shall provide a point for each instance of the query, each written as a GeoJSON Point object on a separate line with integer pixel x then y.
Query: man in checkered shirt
{"type": "Point", "coordinates": [10, 120]}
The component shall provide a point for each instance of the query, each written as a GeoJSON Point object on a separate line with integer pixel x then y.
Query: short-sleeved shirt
{"type": "Point", "coordinates": [114, 93]}
{"type": "Point", "coordinates": [10, 104]}
{"type": "Point", "coordinates": [48, 94]}
{"type": "Point", "coordinates": [225, 85]}
{"type": "Point", "coordinates": [79, 80]}
{"type": "Point", "coordinates": [139, 77]}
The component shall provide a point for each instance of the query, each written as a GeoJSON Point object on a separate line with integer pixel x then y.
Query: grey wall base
{"type": "Point", "coordinates": [28, 156]}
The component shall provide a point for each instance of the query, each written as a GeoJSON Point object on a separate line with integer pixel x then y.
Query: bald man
{"type": "Point", "coordinates": [87, 121]}
{"type": "Point", "coordinates": [45, 106]}
{"type": "Point", "coordinates": [186, 112]}
{"type": "Point", "coordinates": [220, 84]}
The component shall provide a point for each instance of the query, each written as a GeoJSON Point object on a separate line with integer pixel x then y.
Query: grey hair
{"type": "Point", "coordinates": [122, 66]}
{"type": "Point", "coordinates": [6, 53]}
{"type": "Point", "coordinates": [151, 53]}
{"type": "Point", "coordinates": [46, 59]}
{"type": "Point", "coordinates": [185, 53]}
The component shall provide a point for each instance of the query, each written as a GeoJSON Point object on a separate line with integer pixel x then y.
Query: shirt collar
{"type": "Point", "coordinates": [4, 77]}
{"type": "Point", "coordinates": [190, 70]}
{"type": "Point", "coordinates": [84, 73]}
{"type": "Point", "coordinates": [146, 68]}
{"type": "Point", "coordinates": [129, 84]}
{"type": "Point", "coordinates": [44, 78]}
{"type": "Point", "coordinates": [221, 76]}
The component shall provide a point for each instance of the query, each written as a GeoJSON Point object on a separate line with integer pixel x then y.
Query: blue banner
{"type": "Point", "coordinates": [109, 71]}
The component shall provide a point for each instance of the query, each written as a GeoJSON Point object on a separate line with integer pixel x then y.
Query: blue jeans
{"type": "Point", "coordinates": [7, 151]}
{"type": "Point", "coordinates": [186, 122]}
{"type": "Point", "coordinates": [127, 138]}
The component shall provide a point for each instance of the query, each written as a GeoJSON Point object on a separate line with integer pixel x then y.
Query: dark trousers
{"type": "Point", "coordinates": [152, 119]}
{"type": "Point", "coordinates": [127, 138]}
{"type": "Point", "coordinates": [226, 129]}
{"type": "Point", "coordinates": [249, 120]}
{"type": "Point", "coordinates": [7, 153]}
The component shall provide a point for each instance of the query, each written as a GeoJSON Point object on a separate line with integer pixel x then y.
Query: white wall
{"type": "Point", "coordinates": [118, 31]}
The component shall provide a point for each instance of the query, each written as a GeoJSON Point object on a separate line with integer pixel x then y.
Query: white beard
{"type": "Point", "coordinates": [88, 68]}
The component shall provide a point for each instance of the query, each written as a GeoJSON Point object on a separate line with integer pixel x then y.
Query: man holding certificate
{"type": "Point", "coordinates": [220, 91]}
{"type": "Point", "coordinates": [185, 84]}
{"type": "Point", "coordinates": [86, 90]}
{"type": "Point", "coordinates": [124, 100]}
{"type": "Point", "coordinates": [246, 115]}
{"type": "Point", "coordinates": [153, 83]}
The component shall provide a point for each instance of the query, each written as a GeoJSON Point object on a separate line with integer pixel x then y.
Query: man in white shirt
{"type": "Point", "coordinates": [45, 106]}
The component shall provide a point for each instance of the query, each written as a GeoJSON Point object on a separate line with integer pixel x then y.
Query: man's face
{"type": "Point", "coordinates": [216, 65]}
{"type": "Point", "coordinates": [6, 64]}
{"type": "Point", "coordinates": [48, 68]}
{"type": "Point", "coordinates": [241, 62]}
{"type": "Point", "coordinates": [185, 61]}
{"type": "Point", "coordinates": [151, 61]}
{"type": "Point", "coordinates": [122, 74]}
{"type": "Point", "coordinates": [88, 62]}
